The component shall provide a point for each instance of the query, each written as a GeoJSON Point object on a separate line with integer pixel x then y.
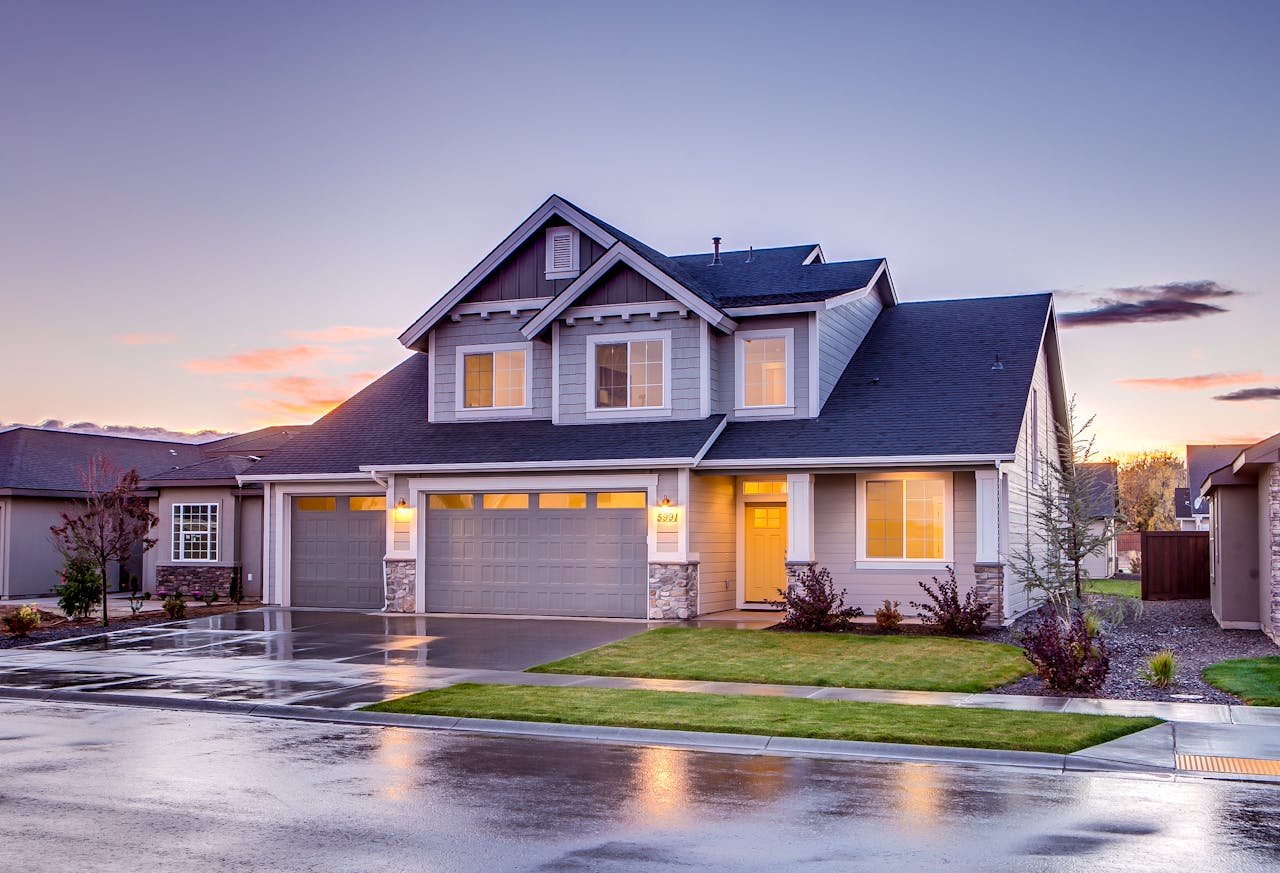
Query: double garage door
{"type": "Point", "coordinates": [537, 553]}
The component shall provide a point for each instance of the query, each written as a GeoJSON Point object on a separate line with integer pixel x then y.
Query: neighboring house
{"type": "Point", "coordinates": [1104, 506]}
{"type": "Point", "coordinates": [1244, 535]}
{"type": "Point", "coordinates": [192, 487]}
{"type": "Point", "coordinates": [589, 427]}
{"type": "Point", "coordinates": [1191, 509]}
{"type": "Point", "coordinates": [1191, 513]}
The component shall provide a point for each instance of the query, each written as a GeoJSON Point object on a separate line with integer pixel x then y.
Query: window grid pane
{"type": "Point", "coordinates": [884, 519]}
{"type": "Point", "coordinates": [645, 370]}
{"type": "Point", "coordinates": [924, 504]}
{"type": "Point", "coordinates": [508, 378]}
{"type": "Point", "coordinates": [611, 376]}
{"type": "Point", "coordinates": [478, 381]}
{"type": "Point", "coordinates": [764, 372]}
{"type": "Point", "coordinates": [195, 532]}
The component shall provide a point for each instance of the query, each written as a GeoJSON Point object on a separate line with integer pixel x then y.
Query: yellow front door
{"type": "Point", "coordinates": [765, 558]}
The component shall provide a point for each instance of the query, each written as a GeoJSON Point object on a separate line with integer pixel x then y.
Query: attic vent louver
{"type": "Point", "coordinates": [562, 253]}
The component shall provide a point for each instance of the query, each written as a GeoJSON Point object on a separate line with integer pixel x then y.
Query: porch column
{"type": "Point", "coordinates": [988, 568]}
{"type": "Point", "coordinates": [800, 551]}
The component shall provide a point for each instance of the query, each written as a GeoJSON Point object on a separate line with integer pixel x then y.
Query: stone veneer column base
{"type": "Point", "coordinates": [989, 588]}
{"type": "Point", "coordinates": [1269, 482]}
{"type": "Point", "coordinates": [673, 590]}
{"type": "Point", "coordinates": [797, 570]}
{"type": "Point", "coordinates": [191, 578]}
{"type": "Point", "coordinates": [401, 576]}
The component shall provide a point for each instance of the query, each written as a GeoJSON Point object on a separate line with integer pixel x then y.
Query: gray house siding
{"type": "Point", "coordinates": [727, 366]}
{"type": "Point", "coordinates": [577, 377]}
{"type": "Point", "coordinates": [474, 330]}
{"type": "Point", "coordinates": [840, 331]}
{"type": "Point", "coordinates": [835, 544]}
{"type": "Point", "coordinates": [713, 538]}
{"type": "Point", "coordinates": [523, 274]}
{"type": "Point", "coordinates": [621, 285]}
{"type": "Point", "coordinates": [34, 564]}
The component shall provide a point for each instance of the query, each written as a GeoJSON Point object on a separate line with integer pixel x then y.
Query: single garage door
{"type": "Point", "coordinates": [337, 545]}
{"type": "Point", "coordinates": [538, 554]}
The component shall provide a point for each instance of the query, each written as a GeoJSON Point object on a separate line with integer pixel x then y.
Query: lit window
{"type": "Point", "coordinates": [778, 487]}
{"type": "Point", "coordinates": [506, 501]}
{"type": "Point", "coordinates": [621, 500]}
{"type": "Point", "coordinates": [767, 518]}
{"type": "Point", "coordinates": [764, 371]}
{"type": "Point", "coordinates": [629, 375]}
{"type": "Point", "coordinates": [366, 504]}
{"type": "Point", "coordinates": [556, 500]}
{"type": "Point", "coordinates": [195, 532]}
{"type": "Point", "coordinates": [317, 504]}
{"type": "Point", "coordinates": [450, 501]}
{"type": "Point", "coordinates": [493, 379]}
{"type": "Point", "coordinates": [906, 519]}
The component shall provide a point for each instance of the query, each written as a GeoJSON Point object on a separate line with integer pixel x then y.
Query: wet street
{"type": "Point", "coordinates": [128, 789]}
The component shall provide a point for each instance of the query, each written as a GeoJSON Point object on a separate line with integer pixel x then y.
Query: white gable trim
{"type": "Point", "coordinates": [554, 206]}
{"type": "Point", "coordinates": [620, 253]}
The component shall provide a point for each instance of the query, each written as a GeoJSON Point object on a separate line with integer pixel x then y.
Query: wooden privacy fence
{"type": "Point", "coordinates": [1175, 565]}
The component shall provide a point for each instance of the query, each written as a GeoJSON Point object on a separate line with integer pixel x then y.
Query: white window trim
{"type": "Point", "coordinates": [574, 247]}
{"type": "Point", "coordinates": [175, 545]}
{"type": "Point", "coordinates": [593, 411]}
{"type": "Point", "coordinates": [741, 410]}
{"type": "Point", "coordinates": [948, 523]}
{"type": "Point", "coordinates": [460, 380]}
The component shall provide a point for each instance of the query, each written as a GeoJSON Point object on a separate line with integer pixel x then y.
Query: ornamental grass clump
{"type": "Point", "coordinates": [1160, 669]}
{"type": "Point", "coordinates": [813, 604]}
{"type": "Point", "coordinates": [1066, 653]}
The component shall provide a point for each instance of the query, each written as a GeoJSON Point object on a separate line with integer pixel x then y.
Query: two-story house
{"type": "Point", "coordinates": [588, 427]}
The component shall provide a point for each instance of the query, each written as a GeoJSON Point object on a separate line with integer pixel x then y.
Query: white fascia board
{"type": "Point", "coordinates": [814, 257]}
{"type": "Point", "coordinates": [775, 309]}
{"type": "Point", "coordinates": [621, 253]}
{"type": "Point", "coordinates": [502, 466]}
{"type": "Point", "coordinates": [553, 206]}
{"type": "Point", "coordinates": [307, 477]}
{"type": "Point", "coordinates": [711, 440]}
{"type": "Point", "coordinates": [886, 461]}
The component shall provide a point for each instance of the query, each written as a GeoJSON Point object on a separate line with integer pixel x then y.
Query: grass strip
{"type": "Point", "coordinates": [1256, 681]}
{"type": "Point", "coordinates": [773, 716]}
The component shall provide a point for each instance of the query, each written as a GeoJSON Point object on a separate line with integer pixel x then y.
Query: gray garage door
{"type": "Point", "coordinates": [537, 554]}
{"type": "Point", "coordinates": [337, 544]}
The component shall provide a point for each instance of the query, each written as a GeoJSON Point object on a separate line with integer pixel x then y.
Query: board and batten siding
{"type": "Point", "coordinates": [836, 544]}
{"type": "Point", "coordinates": [840, 332]}
{"type": "Point", "coordinates": [473, 330]}
{"type": "Point", "coordinates": [726, 366]}
{"type": "Point", "coordinates": [1022, 491]}
{"type": "Point", "coordinates": [577, 377]}
{"type": "Point", "coordinates": [523, 274]}
{"type": "Point", "coordinates": [713, 538]}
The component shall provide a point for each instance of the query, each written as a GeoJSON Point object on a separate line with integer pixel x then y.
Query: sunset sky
{"type": "Point", "coordinates": [220, 215]}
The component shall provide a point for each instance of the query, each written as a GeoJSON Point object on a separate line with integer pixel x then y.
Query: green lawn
{"type": "Point", "coordinates": [912, 663]}
{"type": "Point", "coordinates": [1115, 587]}
{"type": "Point", "coordinates": [1256, 681]}
{"type": "Point", "coordinates": [774, 716]}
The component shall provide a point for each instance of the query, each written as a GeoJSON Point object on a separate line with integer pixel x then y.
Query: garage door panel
{"type": "Point", "coordinates": [337, 557]}
{"type": "Point", "coordinates": [537, 561]}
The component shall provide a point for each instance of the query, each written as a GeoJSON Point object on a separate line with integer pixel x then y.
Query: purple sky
{"type": "Point", "coordinates": [219, 215]}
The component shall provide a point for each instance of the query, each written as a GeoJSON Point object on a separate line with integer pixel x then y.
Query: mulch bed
{"type": "Point", "coordinates": [55, 627]}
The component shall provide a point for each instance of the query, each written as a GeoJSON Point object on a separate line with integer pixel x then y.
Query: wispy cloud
{"type": "Point", "coordinates": [145, 339]}
{"type": "Point", "coordinates": [304, 397]}
{"type": "Point", "coordinates": [125, 430]}
{"type": "Point", "coordinates": [1174, 301]}
{"type": "Point", "coordinates": [343, 333]}
{"type": "Point", "coordinates": [265, 360]}
{"type": "Point", "coordinates": [1194, 383]}
{"type": "Point", "coordinates": [1259, 393]}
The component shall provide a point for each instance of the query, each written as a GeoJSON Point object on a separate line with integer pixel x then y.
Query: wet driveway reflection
{"type": "Point", "coordinates": [224, 792]}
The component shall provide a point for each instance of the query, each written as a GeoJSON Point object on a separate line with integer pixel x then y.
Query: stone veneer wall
{"type": "Point", "coordinates": [797, 570]}
{"type": "Point", "coordinates": [190, 578]}
{"type": "Point", "coordinates": [673, 590]}
{"type": "Point", "coordinates": [1270, 576]}
{"type": "Point", "coordinates": [401, 581]}
{"type": "Point", "coordinates": [989, 588]}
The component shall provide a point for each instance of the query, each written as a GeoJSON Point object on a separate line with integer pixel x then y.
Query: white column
{"type": "Point", "coordinates": [800, 517]}
{"type": "Point", "coordinates": [988, 516]}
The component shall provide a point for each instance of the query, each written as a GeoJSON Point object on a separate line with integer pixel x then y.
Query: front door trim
{"type": "Point", "coordinates": [741, 502]}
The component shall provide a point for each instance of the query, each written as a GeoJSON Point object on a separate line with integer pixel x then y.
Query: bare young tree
{"type": "Point", "coordinates": [111, 523]}
{"type": "Point", "coordinates": [1061, 533]}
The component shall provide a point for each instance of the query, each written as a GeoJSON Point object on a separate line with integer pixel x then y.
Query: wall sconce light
{"type": "Point", "coordinates": [666, 501]}
{"type": "Point", "coordinates": [403, 511]}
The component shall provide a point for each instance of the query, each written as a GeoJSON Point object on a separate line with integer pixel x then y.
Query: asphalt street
{"type": "Point", "coordinates": [129, 789]}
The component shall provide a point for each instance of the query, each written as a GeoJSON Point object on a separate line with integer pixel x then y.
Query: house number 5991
{"type": "Point", "coordinates": [669, 516]}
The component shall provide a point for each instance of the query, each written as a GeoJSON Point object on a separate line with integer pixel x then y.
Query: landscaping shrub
{"type": "Point", "coordinates": [210, 597]}
{"type": "Point", "coordinates": [1160, 669]}
{"type": "Point", "coordinates": [81, 588]}
{"type": "Point", "coordinates": [888, 617]}
{"type": "Point", "coordinates": [175, 607]}
{"type": "Point", "coordinates": [1064, 653]}
{"type": "Point", "coordinates": [813, 604]}
{"type": "Point", "coordinates": [22, 620]}
{"type": "Point", "coordinates": [136, 599]}
{"type": "Point", "coordinates": [948, 612]}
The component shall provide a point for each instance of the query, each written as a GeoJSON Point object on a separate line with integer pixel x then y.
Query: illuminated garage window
{"type": "Point", "coordinates": [317, 504]}
{"type": "Point", "coordinates": [562, 501]}
{"type": "Point", "coordinates": [621, 500]}
{"type": "Point", "coordinates": [450, 501]}
{"type": "Point", "coordinates": [506, 501]}
{"type": "Point", "coordinates": [367, 504]}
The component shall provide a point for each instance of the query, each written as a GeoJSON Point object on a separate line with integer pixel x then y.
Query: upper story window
{"type": "Point", "coordinates": [562, 253]}
{"type": "Point", "coordinates": [764, 369]}
{"type": "Point", "coordinates": [493, 377]}
{"type": "Point", "coordinates": [195, 532]}
{"type": "Point", "coordinates": [630, 370]}
{"type": "Point", "coordinates": [905, 517]}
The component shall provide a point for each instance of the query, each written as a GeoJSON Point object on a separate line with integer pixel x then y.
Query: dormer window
{"type": "Point", "coordinates": [562, 252]}
{"type": "Point", "coordinates": [493, 379]}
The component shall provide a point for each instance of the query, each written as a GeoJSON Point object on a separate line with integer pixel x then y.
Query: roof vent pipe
{"type": "Point", "coordinates": [999, 364]}
{"type": "Point", "coordinates": [751, 253]}
{"type": "Point", "coordinates": [715, 255]}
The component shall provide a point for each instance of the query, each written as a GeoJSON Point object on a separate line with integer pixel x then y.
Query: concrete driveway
{"type": "Point", "coordinates": [317, 657]}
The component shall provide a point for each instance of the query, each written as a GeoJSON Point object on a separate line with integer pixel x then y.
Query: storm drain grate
{"type": "Point", "coordinates": [1215, 764]}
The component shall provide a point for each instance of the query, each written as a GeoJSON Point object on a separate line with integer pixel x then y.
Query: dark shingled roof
{"type": "Point", "coordinates": [1105, 481]}
{"type": "Point", "coordinates": [921, 383]}
{"type": "Point", "coordinates": [224, 468]}
{"type": "Point", "coordinates": [255, 442]}
{"type": "Point", "coordinates": [1204, 459]}
{"type": "Point", "coordinates": [1182, 503]}
{"type": "Point", "coordinates": [775, 276]}
{"type": "Point", "coordinates": [386, 423]}
{"type": "Point", "coordinates": [34, 459]}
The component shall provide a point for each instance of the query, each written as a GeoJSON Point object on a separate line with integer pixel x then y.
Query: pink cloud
{"type": "Point", "coordinates": [265, 360]}
{"type": "Point", "coordinates": [304, 397]}
{"type": "Point", "coordinates": [145, 339]}
{"type": "Point", "coordinates": [1195, 383]}
{"type": "Point", "coordinates": [343, 333]}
